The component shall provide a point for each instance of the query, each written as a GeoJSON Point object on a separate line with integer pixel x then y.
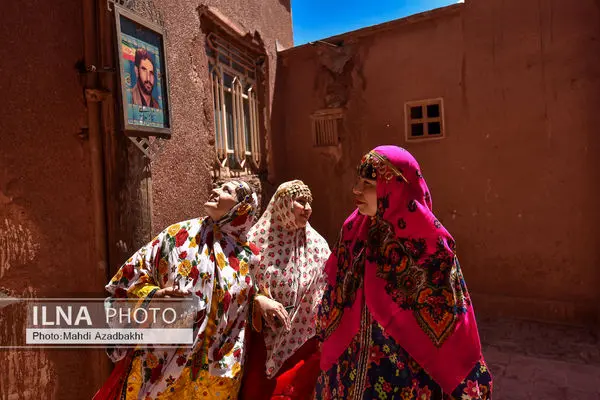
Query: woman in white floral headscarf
{"type": "Point", "coordinates": [209, 257]}
{"type": "Point", "coordinates": [290, 282]}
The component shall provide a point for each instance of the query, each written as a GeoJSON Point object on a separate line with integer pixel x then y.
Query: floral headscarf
{"type": "Point", "coordinates": [290, 271]}
{"type": "Point", "coordinates": [208, 258]}
{"type": "Point", "coordinates": [402, 263]}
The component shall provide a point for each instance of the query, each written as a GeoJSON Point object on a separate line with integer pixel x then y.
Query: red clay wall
{"type": "Point", "coordinates": [181, 175]}
{"type": "Point", "coordinates": [513, 180]}
{"type": "Point", "coordinates": [46, 218]}
{"type": "Point", "coordinates": [45, 189]}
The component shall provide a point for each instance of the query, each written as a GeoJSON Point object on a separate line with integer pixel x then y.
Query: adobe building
{"type": "Point", "coordinates": [78, 196]}
{"type": "Point", "coordinates": [497, 100]}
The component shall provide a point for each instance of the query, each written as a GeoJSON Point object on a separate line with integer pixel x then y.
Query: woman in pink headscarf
{"type": "Point", "coordinates": [396, 318]}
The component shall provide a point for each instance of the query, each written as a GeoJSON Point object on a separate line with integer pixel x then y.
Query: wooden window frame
{"type": "Point", "coordinates": [246, 151]}
{"type": "Point", "coordinates": [425, 120]}
{"type": "Point", "coordinates": [325, 127]}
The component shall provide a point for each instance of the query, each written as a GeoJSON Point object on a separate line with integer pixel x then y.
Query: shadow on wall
{"type": "Point", "coordinates": [286, 4]}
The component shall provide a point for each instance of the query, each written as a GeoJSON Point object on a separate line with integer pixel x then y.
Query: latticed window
{"type": "Point", "coordinates": [233, 78]}
{"type": "Point", "coordinates": [424, 119]}
{"type": "Point", "coordinates": [326, 127]}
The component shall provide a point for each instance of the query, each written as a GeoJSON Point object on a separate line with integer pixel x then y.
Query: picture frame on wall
{"type": "Point", "coordinates": [143, 76]}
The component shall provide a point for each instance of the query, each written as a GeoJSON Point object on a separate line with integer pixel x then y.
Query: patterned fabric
{"type": "Point", "coordinates": [205, 386]}
{"type": "Point", "coordinates": [187, 386]}
{"type": "Point", "coordinates": [374, 165]}
{"type": "Point", "coordinates": [402, 265]}
{"type": "Point", "coordinates": [375, 366]}
{"type": "Point", "coordinates": [290, 271]}
{"type": "Point", "coordinates": [212, 260]}
{"type": "Point", "coordinates": [294, 189]}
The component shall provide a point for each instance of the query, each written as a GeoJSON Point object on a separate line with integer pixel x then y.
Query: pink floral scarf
{"type": "Point", "coordinates": [402, 263]}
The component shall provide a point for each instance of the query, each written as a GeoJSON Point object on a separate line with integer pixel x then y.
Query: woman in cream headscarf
{"type": "Point", "coordinates": [290, 283]}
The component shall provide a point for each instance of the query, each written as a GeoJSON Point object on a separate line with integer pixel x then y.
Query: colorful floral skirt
{"type": "Point", "coordinates": [375, 367]}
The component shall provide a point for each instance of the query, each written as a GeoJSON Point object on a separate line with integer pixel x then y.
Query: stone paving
{"type": "Point", "coordinates": [531, 360]}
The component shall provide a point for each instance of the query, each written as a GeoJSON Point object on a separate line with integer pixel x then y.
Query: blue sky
{"type": "Point", "coordinates": [318, 19]}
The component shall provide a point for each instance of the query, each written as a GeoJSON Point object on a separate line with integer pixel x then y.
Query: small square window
{"type": "Point", "coordinates": [424, 119]}
{"type": "Point", "coordinates": [326, 127]}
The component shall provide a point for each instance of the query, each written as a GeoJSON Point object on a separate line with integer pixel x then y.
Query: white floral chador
{"type": "Point", "coordinates": [290, 271]}
{"type": "Point", "coordinates": [211, 259]}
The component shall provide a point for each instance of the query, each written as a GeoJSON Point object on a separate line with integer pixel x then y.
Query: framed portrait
{"type": "Point", "coordinates": [143, 76]}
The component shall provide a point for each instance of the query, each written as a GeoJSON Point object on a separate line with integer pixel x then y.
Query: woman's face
{"type": "Point", "coordinates": [221, 200]}
{"type": "Point", "coordinates": [302, 211]}
{"type": "Point", "coordinates": [365, 196]}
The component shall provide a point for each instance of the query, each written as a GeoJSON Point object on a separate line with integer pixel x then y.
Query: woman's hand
{"type": "Point", "coordinates": [170, 291]}
{"type": "Point", "coordinates": [273, 312]}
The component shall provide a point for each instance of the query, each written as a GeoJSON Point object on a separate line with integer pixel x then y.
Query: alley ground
{"type": "Point", "coordinates": [539, 361]}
